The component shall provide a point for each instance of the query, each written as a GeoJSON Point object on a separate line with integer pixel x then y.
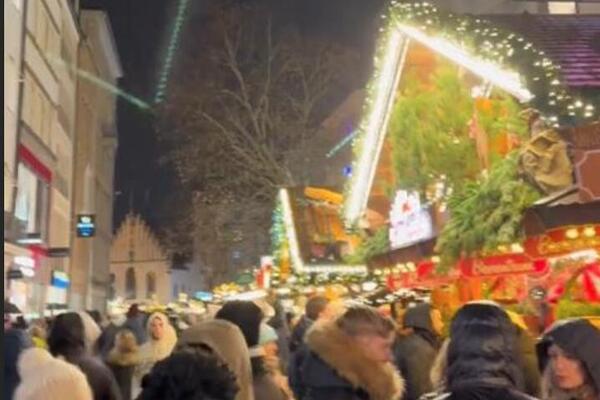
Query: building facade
{"type": "Point", "coordinates": [14, 14]}
{"type": "Point", "coordinates": [139, 267]}
{"type": "Point", "coordinates": [38, 234]}
{"type": "Point", "coordinates": [95, 151]}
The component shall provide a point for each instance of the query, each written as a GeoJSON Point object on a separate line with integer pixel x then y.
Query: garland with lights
{"type": "Point", "coordinates": [278, 235]}
{"type": "Point", "coordinates": [491, 43]}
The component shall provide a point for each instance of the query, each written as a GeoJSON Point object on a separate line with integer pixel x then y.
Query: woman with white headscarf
{"type": "Point", "coordinates": [161, 342]}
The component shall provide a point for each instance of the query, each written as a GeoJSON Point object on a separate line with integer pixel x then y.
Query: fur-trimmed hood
{"type": "Point", "coordinates": [381, 381]}
{"type": "Point", "coordinates": [116, 357]}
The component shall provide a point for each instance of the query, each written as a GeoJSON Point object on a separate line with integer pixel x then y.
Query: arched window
{"type": "Point", "coordinates": [111, 289]}
{"type": "Point", "coordinates": [130, 287]}
{"type": "Point", "coordinates": [150, 284]}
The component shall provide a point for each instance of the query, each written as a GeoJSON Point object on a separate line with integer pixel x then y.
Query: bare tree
{"type": "Point", "coordinates": [244, 120]}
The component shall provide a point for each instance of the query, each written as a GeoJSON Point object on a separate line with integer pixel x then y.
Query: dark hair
{"type": "Point", "coordinates": [483, 348]}
{"type": "Point", "coordinates": [67, 336]}
{"type": "Point", "coordinates": [364, 320]}
{"type": "Point", "coordinates": [315, 306]}
{"type": "Point", "coordinates": [189, 374]}
{"type": "Point", "coordinates": [133, 311]}
{"type": "Point", "coordinates": [246, 315]}
{"type": "Point", "coordinates": [21, 323]}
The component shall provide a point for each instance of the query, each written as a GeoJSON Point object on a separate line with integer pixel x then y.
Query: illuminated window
{"type": "Point", "coordinates": [562, 7]}
{"type": "Point", "coordinates": [150, 284]}
{"type": "Point", "coordinates": [31, 207]}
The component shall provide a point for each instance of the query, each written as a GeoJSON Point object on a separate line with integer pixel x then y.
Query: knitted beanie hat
{"type": "Point", "coordinates": [44, 377]}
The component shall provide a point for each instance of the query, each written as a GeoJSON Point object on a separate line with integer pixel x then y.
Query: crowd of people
{"type": "Point", "coordinates": [255, 351]}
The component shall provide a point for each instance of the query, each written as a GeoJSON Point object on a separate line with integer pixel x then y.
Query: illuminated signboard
{"type": "Point", "coordinates": [410, 222]}
{"type": "Point", "coordinates": [86, 225]}
{"type": "Point", "coordinates": [60, 280]}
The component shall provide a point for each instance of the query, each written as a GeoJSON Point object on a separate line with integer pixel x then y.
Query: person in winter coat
{"type": "Point", "coordinates": [135, 323]}
{"type": "Point", "coordinates": [49, 378]}
{"type": "Point", "coordinates": [15, 342]}
{"type": "Point", "coordinates": [161, 342]}
{"type": "Point", "coordinates": [480, 360]}
{"type": "Point", "coordinates": [527, 354]}
{"type": "Point", "coordinates": [349, 358]}
{"type": "Point", "coordinates": [226, 341]}
{"type": "Point", "coordinates": [416, 348]}
{"type": "Point", "coordinates": [106, 341]}
{"type": "Point", "coordinates": [315, 307]}
{"type": "Point", "coordinates": [248, 317]}
{"type": "Point", "coordinates": [280, 324]}
{"type": "Point", "coordinates": [569, 356]}
{"type": "Point", "coordinates": [38, 335]}
{"type": "Point", "coordinates": [190, 374]}
{"type": "Point", "coordinates": [122, 360]}
{"type": "Point", "coordinates": [269, 340]}
{"type": "Point", "coordinates": [67, 339]}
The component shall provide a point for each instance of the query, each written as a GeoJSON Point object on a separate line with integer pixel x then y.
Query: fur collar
{"type": "Point", "coordinates": [380, 381]}
{"type": "Point", "coordinates": [121, 359]}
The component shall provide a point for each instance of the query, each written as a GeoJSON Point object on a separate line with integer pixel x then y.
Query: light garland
{"type": "Point", "coordinates": [294, 249]}
{"type": "Point", "coordinates": [376, 122]}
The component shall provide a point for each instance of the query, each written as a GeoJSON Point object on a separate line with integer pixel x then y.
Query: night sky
{"type": "Point", "coordinates": [142, 29]}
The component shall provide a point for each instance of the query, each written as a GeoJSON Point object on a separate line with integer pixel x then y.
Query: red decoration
{"type": "Point", "coordinates": [556, 242]}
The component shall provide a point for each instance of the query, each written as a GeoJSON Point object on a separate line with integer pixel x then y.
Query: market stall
{"type": "Point", "coordinates": [462, 115]}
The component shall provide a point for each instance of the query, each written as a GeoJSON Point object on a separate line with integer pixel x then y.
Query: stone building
{"type": "Point", "coordinates": [95, 151]}
{"type": "Point", "coordinates": [139, 267]}
{"type": "Point", "coordinates": [39, 135]}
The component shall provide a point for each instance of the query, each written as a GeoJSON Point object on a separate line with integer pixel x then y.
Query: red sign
{"type": "Point", "coordinates": [563, 240]}
{"type": "Point", "coordinates": [506, 264]}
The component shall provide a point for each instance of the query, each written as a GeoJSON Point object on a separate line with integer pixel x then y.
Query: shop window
{"type": "Point", "coordinates": [130, 286]}
{"type": "Point", "coordinates": [150, 284]}
{"type": "Point", "coordinates": [31, 207]}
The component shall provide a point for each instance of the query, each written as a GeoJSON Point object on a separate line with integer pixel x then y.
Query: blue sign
{"type": "Point", "coordinates": [204, 296]}
{"type": "Point", "coordinates": [60, 280]}
{"type": "Point", "coordinates": [347, 171]}
{"type": "Point", "coordinates": [86, 225]}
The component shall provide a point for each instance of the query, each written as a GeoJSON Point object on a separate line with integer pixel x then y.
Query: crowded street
{"type": "Point", "coordinates": [301, 200]}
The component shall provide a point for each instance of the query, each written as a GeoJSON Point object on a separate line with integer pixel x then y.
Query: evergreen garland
{"type": "Point", "coordinates": [278, 234]}
{"type": "Point", "coordinates": [487, 213]}
{"type": "Point", "coordinates": [429, 133]}
{"type": "Point", "coordinates": [378, 243]}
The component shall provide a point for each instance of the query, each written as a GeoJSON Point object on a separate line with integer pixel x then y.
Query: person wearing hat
{"type": "Point", "coordinates": [416, 347]}
{"type": "Point", "coordinates": [269, 340]}
{"type": "Point", "coordinates": [48, 378]}
{"type": "Point", "coordinates": [226, 341]}
{"type": "Point", "coordinates": [569, 358]}
{"type": "Point", "coordinates": [248, 317]}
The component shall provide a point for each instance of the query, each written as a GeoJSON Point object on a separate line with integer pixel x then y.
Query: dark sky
{"type": "Point", "coordinates": [142, 29]}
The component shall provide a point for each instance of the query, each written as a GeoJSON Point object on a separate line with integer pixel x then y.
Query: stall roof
{"type": "Point", "coordinates": [572, 41]}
